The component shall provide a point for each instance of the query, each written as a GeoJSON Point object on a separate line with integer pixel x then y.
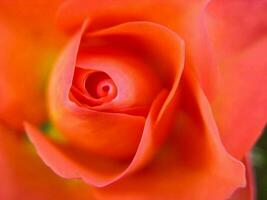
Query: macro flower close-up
{"type": "Point", "coordinates": [133, 100]}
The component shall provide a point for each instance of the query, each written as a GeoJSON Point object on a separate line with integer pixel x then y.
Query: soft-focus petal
{"type": "Point", "coordinates": [24, 176]}
{"type": "Point", "coordinates": [21, 81]}
{"type": "Point", "coordinates": [30, 14]}
{"type": "Point", "coordinates": [26, 57]}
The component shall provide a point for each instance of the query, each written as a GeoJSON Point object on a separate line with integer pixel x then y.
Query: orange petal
{"type": "Point", "coordinates": [26, 56]}
{"type": "Point", "coordinates": [119, 126]}
{"type": "Point", "coordinates": [104, 14]}
{"type": "Point", "coordinates": [184, 17]}
{"type": "Point", "coordinates": [21, 83]}
{"type": "Point", "coordinates": [70, 162]}
{"type": "Point", "coordinates": [30, 14]}
{"type": "Point", "coordinates": [154, 128]}
{"type": "Point", "coordinates": [235, 25]}
{"type": "Point", "coordinates": [137, 82]}
{"type": "Point", "coordinates": [194, 164]}
{"type": "Point", "coordinates": [247, 193]}
{"type": "Point", "coordinates": [238, 32]}
{"type": "Point", "coordinates": [241, 105]}
{"type": "Point", "coordinates": [25, 177]}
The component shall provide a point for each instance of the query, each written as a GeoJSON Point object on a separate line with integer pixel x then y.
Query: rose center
{"type": "Point", "coordinates": [93, 88]}
{"type": "Point", "coordinates": [99, 85]}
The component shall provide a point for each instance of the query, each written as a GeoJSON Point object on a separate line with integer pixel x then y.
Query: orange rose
{"type": "Point", "coordinates": [150, 100]}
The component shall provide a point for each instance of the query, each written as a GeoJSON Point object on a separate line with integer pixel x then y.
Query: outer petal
{"type": "Point", "coordinates": [241, 106]}
{"type": "Point", "coordinates": [104, 13]}
{"type": "Point", "coordinates": [25, 177]}
{"type": "Point", "coordinates": [30, 14]}
{"type": "Point", "coordinates": [238, 30]}
{"type": "Point", "coordinates": [247, 193]}
{"type": "Point", "coordinates": [20, 81]}
{"type": "Point", "coordinates": [194, 164]}
{"type": "Point", "coordinates": [235, 25]}
{"type": "Point", "coordinates": [26, 56]}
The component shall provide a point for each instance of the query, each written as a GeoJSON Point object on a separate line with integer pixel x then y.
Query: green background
{"type": "Point", "coordinates": [259, 158]}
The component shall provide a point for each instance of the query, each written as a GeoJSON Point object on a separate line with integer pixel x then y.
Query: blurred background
{"type": "Point", "coordinates": [259, 157]}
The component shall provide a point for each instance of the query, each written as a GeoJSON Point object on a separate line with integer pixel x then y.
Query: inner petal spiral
{"type": "Point", "coordinates": [100, 85]}
{"type": "Point", "coordinates": [92, 88]}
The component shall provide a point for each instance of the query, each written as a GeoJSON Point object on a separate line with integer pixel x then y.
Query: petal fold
{"type": "Point", "coordinates": [194, 164]}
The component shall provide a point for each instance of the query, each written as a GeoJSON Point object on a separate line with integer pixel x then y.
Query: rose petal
{"type": "Point", "coordinates": [184, 17]}
{"type": "Point", "coordinates": [25, 177]}
{"type": "Point", "coordinates": [193, 166]}
{"type": "Point", "coordinates": [20, 81]}
{"type": "Point", "coordinates": [105, 14]}
{"type": "Point", "coordinates": [30, 14]}
{"type": "Point", "coordinates": [70, 162]}
{"type": "Point", "coordinates": [119, 126]}
{"type": "Point", "coordinates": [155, 126]}
{"type": "Point", "coordinates": [26, 56]}
{"type": "Point", "coordinates": [241, 105]}
{"type": "Point", "coordinates": [235, 25]}
{"type": "Point", "coordinates": [247, 193]}
{"type": "Point", "coordinates": [141, 37]}
{"type": "Point", "coordinates": [238, 31]}
{"type": "Point", "coordinates": [124, 126]}
{"type": "Point", "coordinates": [136, 82]}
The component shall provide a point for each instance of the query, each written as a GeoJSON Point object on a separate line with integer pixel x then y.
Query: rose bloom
{"type": "Point", "coordinates": [131, 100]}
